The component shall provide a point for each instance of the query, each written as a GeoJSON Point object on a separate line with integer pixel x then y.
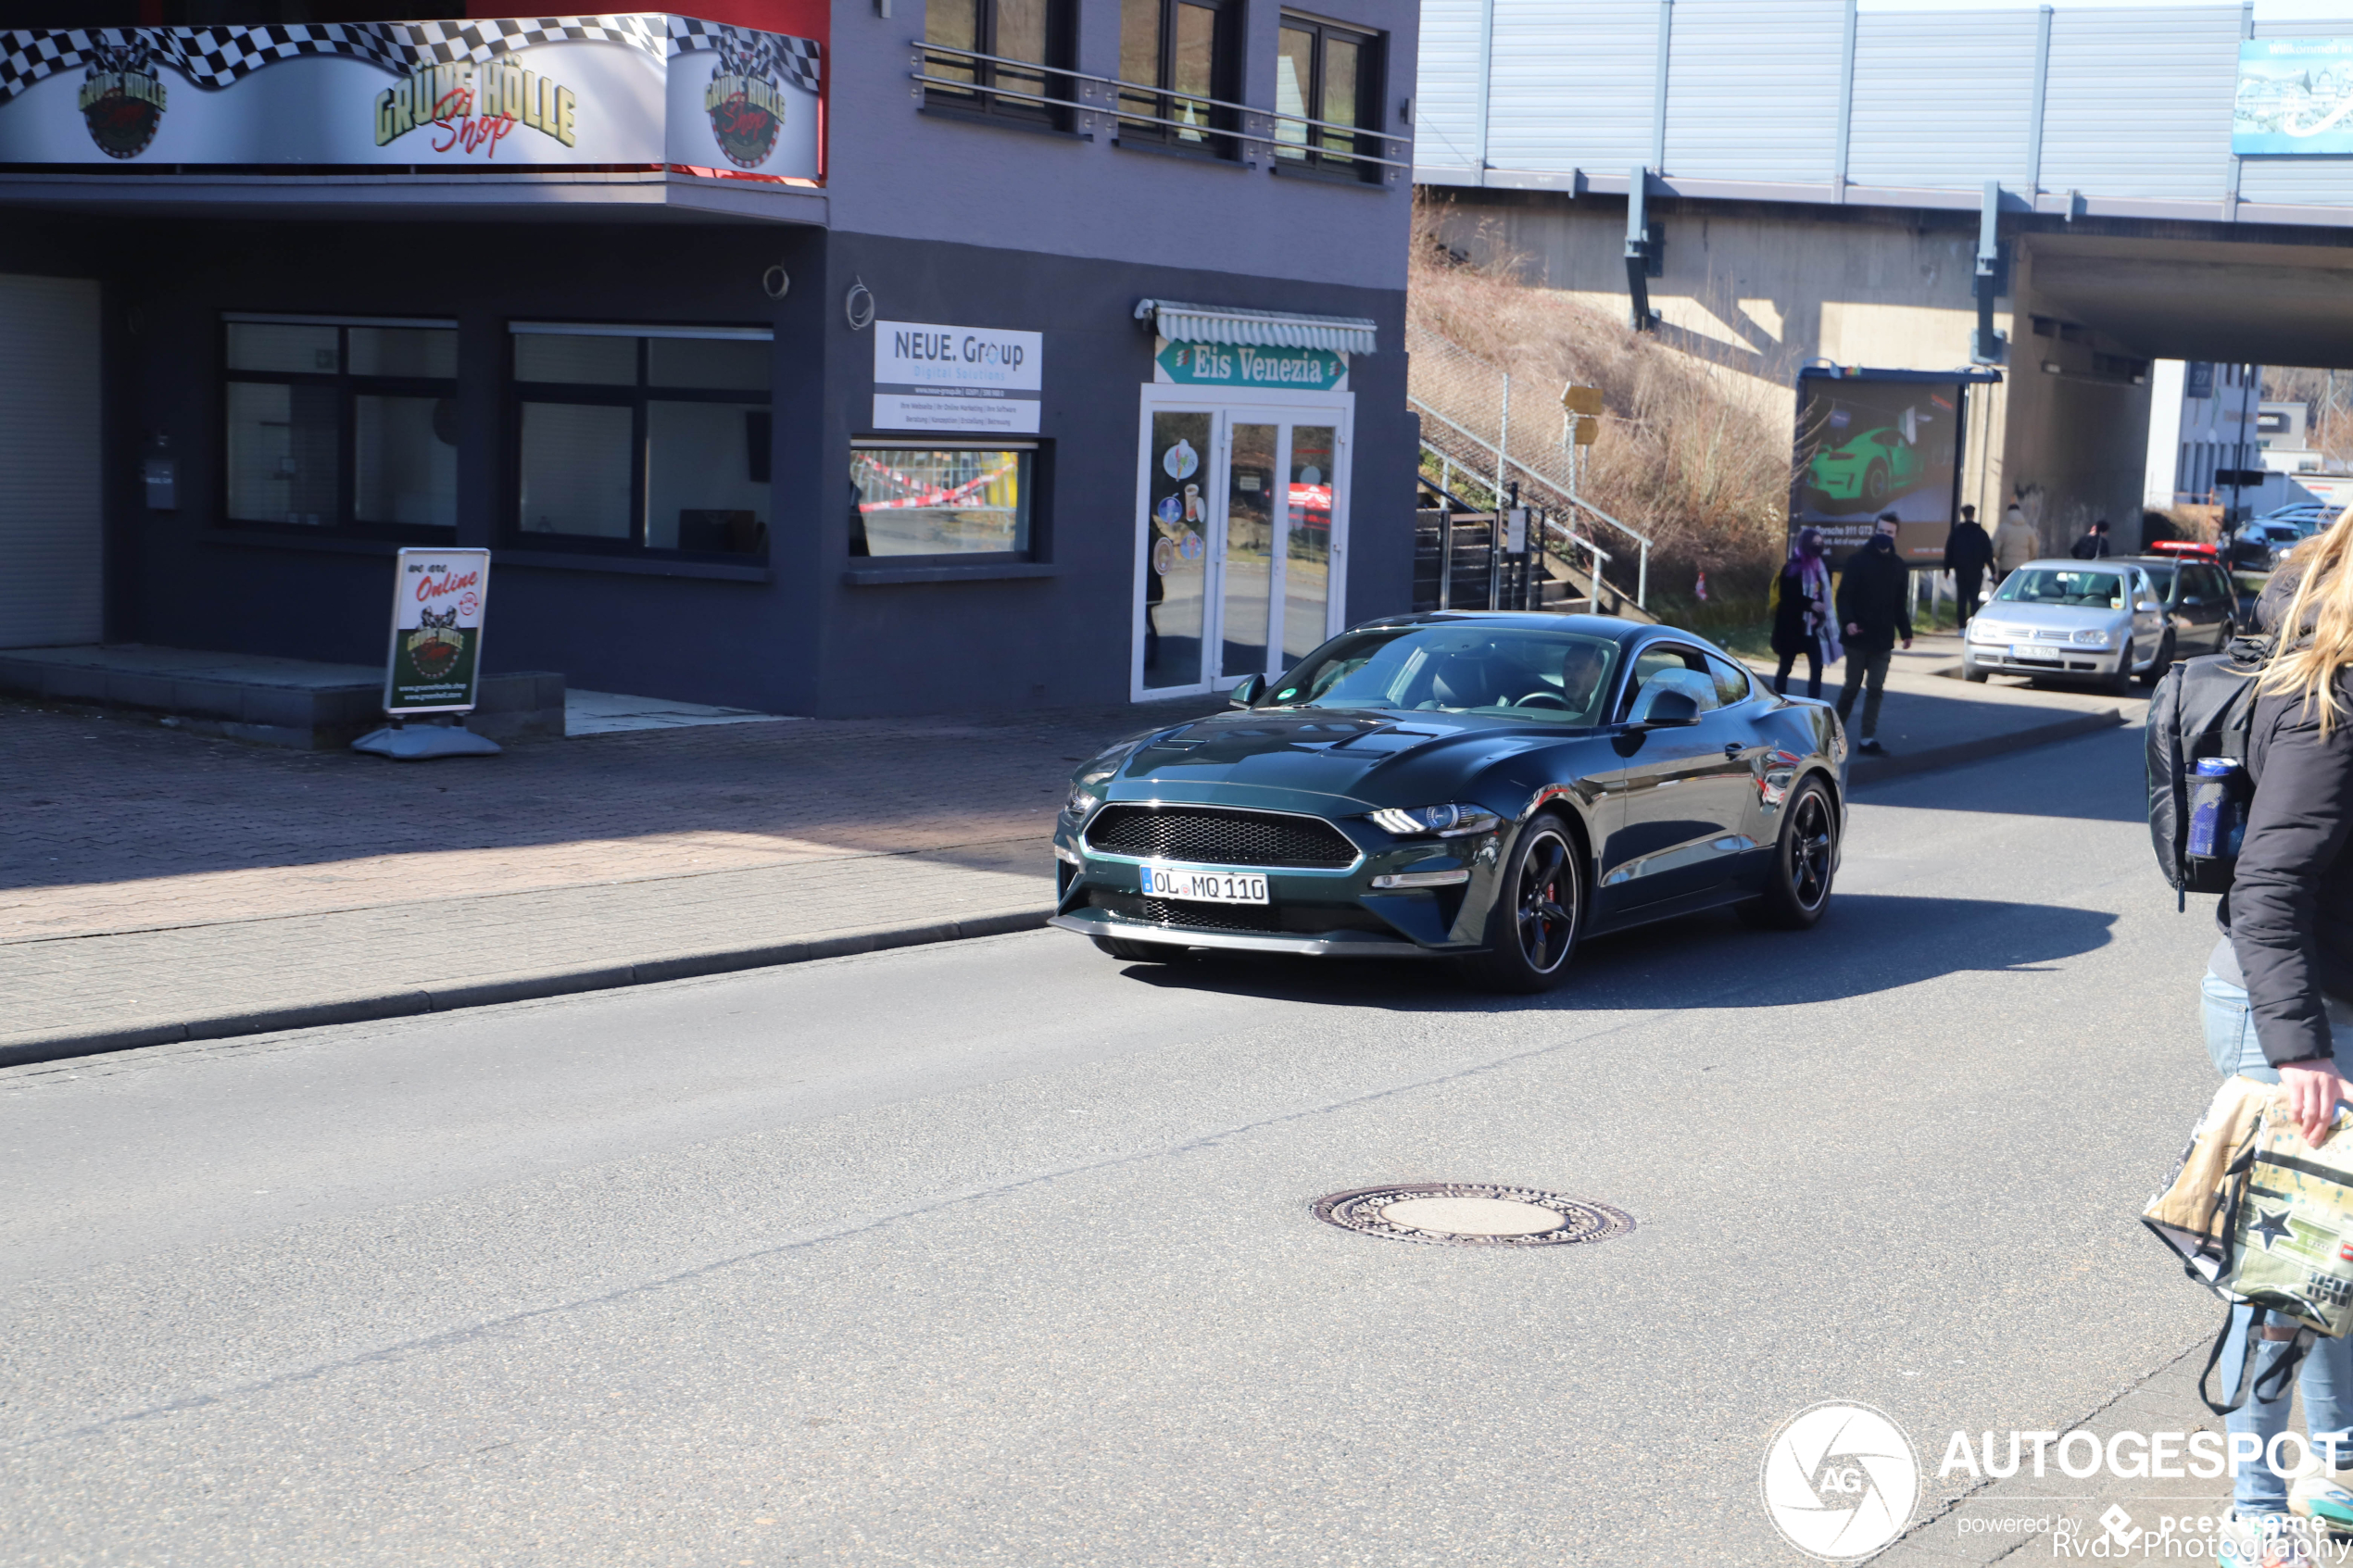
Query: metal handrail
{"type": "Point", "coordinates": [1504, 459]}
{"type": "Point", "coordinates": [1600, 558]}
{"type": "Point", "coordinates": [1153, 92]}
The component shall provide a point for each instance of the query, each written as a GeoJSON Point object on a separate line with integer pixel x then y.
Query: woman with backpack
{"type": "Point", "coordinates": [1802, 619]}
{"type": "Point", "coordinates": [2279, 987]}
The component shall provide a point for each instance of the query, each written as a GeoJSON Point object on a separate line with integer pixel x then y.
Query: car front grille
{"type": "Point", "coordinates": [1210, 836]}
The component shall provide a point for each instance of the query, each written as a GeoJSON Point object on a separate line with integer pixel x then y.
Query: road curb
{"type": "Point", "coordinates": [1862, 772]}
{"type": "Point", "coordinates": [24, 1050]}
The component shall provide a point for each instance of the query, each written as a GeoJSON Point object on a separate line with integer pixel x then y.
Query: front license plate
{"type": "Point", "coordinates": [2031, 651]}
{"type": "Point", "coordinates": [1204, 887]}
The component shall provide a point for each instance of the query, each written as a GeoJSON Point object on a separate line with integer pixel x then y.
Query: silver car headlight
{"type": "Point", "coordinates": [2094, 637]}
{"type": "Point", "coordinates": [1441, 822]}
{"type": "Point", "coordinates": [1979, 630]}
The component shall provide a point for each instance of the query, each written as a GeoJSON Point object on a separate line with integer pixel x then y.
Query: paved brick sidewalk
{"type": "Point", "coordinates": [148, 877]}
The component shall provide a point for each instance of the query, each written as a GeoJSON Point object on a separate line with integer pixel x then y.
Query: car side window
{"type": "Point", "coordinates": [1731, 681]}
{"type": "Point", "coordinates": [1671, 664]}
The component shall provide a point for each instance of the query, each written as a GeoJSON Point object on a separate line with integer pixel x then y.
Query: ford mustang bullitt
{"type": "Point", "coordinates": [1486, 788]}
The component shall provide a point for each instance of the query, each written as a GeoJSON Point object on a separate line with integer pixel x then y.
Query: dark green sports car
{"type": "Point", "coordinates": [1488, 788]}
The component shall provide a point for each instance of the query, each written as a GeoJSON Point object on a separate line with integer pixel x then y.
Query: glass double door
{"type": "Point", "coordinates": [1242, 528]}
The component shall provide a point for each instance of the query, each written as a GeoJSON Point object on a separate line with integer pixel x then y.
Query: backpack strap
{"type": "Point", "coordinates": [2246, 1361]}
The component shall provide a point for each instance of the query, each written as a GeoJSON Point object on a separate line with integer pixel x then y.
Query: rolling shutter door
{"type": "Point", "coordinates": [1751, 90]}
{"type": "Point", "coordinates": [2139, 102]}
{"type": "Point", "coordinates": [1943, 100]}
{"type": "Point", "coordinates": [51, 530]}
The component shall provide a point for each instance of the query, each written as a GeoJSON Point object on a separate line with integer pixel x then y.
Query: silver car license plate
{"type": "Point", "coordinates": [1204, 887]}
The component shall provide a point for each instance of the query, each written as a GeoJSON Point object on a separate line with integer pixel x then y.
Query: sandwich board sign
{"type": "Point", "coordinates": [434, 662]}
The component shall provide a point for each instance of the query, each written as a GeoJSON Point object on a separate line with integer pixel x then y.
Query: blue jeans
{"type": "Point", "coordinates": [2326, 1377]}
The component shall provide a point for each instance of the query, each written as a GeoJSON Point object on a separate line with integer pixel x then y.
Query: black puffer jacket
{"type": "Point", "coordinates": [2289, 913]}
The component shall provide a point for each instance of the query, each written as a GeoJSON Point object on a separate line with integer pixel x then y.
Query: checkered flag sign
{"type": "Point", "coordinates": [744, 53]}
{"type": "Point", "coordinates": [216, 56]}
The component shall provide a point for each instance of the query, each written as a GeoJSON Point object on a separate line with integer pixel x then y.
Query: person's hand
{"type": "Point", "coordinates": [1908, 644]}
{"type": "Point", "coordinates": [2313, 1088]}
{"type": "Point", "coordinates": [1853, 629]}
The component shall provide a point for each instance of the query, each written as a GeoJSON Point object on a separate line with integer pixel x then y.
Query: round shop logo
{"type": "Point", "coordinates": [121, 99]}
{"type": "Point", "coordinates": [1840, 1480]}
{"type": "Point", "coordinates": [744, 101]}
{"type": "Point", "coordinates": [1180, 461]}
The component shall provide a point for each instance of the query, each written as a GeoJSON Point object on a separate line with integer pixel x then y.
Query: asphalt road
{"type": "Point", "coordinates": [1000, 1252]}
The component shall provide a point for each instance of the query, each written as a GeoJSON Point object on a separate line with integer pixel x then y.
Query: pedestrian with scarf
{"type": "Point", "coordinates": [1802, 618]}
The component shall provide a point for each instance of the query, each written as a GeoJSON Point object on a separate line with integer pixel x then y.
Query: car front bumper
{"type": "Point", "coordinates": [1330, 945]}
{"type": "Point", "coordinates": [2063, 659]}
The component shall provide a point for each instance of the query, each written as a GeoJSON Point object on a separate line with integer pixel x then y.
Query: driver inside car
{"type": "Point", "coordinates": [1583, 669]}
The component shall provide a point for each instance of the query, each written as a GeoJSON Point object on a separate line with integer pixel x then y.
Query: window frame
{"type": "Point", "coordinates": [1372, 74]}
{"type": "Point", "coordinates": [518, 391]}
{"type": "Point", "coordinates": [1037, 467]}
{"type": "Point", "coordinates": [1221, 139]}
{"type": "Point", "coordinates": [983, 100]}
{"type": "Point", "coordinates": [349, 388]}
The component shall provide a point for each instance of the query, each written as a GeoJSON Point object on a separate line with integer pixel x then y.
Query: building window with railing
{"type": "Point", "coordinates": [1177, 70]}
{"type": "Point", "coordinates": [951, 502]}
{"type": "Point", "coordinates": [642, 440]}
{"type": "Point", "coordinates": [999, 58]}
{"type": "Point", "coordinates": [1328, 84]}
{"type": "Point", "coordinates": [341, 423]}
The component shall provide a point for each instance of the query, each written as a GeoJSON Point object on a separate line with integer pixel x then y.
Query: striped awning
{"type": "Point", "coordinates": [1266, 329]}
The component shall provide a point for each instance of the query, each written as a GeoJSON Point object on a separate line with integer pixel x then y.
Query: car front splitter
{"type": "Point", "coordinates": [1331, 945]}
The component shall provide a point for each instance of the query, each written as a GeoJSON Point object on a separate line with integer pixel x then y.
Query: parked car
{"type": "Point", "coordinates": [2088, 620]}
{"type": "Point", "coordinates": [2201, 601]}
{"type": "Point", "coordinates": [1479, 787]}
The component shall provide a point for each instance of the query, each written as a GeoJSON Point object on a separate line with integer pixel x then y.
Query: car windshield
{"type": "Point", "coordinates": [1552, 677]}
{"type": "Point", "coordinates": [2160, 575]}
{"type": "Point", "coordinates": [2061, 585]}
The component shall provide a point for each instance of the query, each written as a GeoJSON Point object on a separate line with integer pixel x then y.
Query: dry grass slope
{"type": "Point", "coordinates": [1682, 456]}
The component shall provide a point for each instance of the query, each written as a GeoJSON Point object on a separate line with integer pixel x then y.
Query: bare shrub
{"type": "Point", "coordinates": [1686, 454]}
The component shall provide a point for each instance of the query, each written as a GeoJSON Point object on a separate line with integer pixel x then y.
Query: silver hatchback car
{"type": "Point", "coordinates": [2072, 620]}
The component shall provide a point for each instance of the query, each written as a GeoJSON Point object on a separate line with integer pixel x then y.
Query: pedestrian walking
{"type": "Point", "coordinates": [2093, 545]}
{"type": "Point", "coordinates": [1968, 552]}
{"type": "Point", "coordinates": [1802, 623]}
{"type": "Point", "coordinates": [2278, 993]}
{"type": "Point", "coordinates": [1875, 605]}
{"type": "Point", "coordinates": [2014, 543]}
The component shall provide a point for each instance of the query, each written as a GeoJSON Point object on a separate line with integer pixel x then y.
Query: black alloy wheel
{"type": "Point", "coordinates": [1798, 888]}
{"type": "Point", "coordinates": [1875, 483]}
{"type": "Point", "coordinates": [2121, 682]}
{"type": "Point", "coordinates": [1538, 912]}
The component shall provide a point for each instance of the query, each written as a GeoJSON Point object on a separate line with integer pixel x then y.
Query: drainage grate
{"type": "Point", "coordinates": [1472, 1214]}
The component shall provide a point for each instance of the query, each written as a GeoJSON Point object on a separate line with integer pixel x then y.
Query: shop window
{"type": "Point", "coordinates": [1176, 69]}
{"type": "Point", "coordinates": [341, 424]}
{"type": "Point", "coordinates": [642, 439]}
{"type": "Point", "coordinates": [1000, 54]}
{"type": "Point", "coordinates": [1331, 76]}
{"type": "Point", "coordinates": [942, 500]}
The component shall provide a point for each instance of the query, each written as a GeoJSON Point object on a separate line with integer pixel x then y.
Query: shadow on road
{"type": "Point", "coordinates": [1867, 944]}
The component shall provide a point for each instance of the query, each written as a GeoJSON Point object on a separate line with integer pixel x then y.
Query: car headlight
{"type": "Point", "coordinates": [1082, 800]}
{"type": "Point", "coordinates": [2093, 638]}
{"type": "Point", "coordinates": [1979, 631]}
{"type": "Point", "coordinates": [1443, 822]}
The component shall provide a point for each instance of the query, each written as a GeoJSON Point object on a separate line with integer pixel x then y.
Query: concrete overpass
{"type": "Point", "coordinates": [1833, 178]}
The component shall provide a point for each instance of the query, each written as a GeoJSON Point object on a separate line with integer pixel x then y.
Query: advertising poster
{"type": "Point", "coordinates": [1867, 447]}
{"type": "Point", "coordinates": [437, 601]}
{"type": "Point", "coordinates": [2295, 95]}
{"type": "Point", "coordinates": [978, 379]}
{"type": "Point", "coordinates": [620, 91]}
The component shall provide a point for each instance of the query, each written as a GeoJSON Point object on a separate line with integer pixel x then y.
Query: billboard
{"type": "Point", "coordinates": [2295, 95]}
{"type": "Point", "coordinates": [1873, 442]}
{"type": "Point", "coordinates": [638, 91]}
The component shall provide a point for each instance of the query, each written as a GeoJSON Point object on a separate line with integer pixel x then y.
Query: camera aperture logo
{"type": "Point", "coordinates": [1840, 1480]}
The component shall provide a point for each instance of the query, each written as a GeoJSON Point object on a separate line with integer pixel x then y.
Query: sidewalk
{"type": "Point", "coordinates": [156, 886]}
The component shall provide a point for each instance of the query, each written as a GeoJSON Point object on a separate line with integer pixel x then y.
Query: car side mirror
{"type": "Point", "coordinates": [2191, 600]}
{"type": "Point", "coordinates": [2147, 603]}
{"type": "Point", "coordinates": [1670, 709]}
{"type": "Point", "coordinates": [1252, 687]}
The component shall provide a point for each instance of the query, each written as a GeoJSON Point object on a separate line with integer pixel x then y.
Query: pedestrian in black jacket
{"type": "Point", "coordinates": [2093, 545]}
{"type": "Point", "coordinates": [2279, 987]}
{"type": "Point", "coordinates": [1968, 552]}
{"type": "Point", "coordinates": [1875, 605]}
{"type": "Point", "coordinates": [1802, 625]}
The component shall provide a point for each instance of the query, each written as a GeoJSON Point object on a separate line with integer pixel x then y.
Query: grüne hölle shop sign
{"type": "Point", "coordinates": [437, 600]}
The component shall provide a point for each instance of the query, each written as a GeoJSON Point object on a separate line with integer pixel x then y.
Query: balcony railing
{"type": "Point", "coordinates": [1267, 136]}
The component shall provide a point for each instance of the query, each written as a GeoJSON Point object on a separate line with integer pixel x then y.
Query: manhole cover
{"type": "Point", "coordinates": [1472, 1214]}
